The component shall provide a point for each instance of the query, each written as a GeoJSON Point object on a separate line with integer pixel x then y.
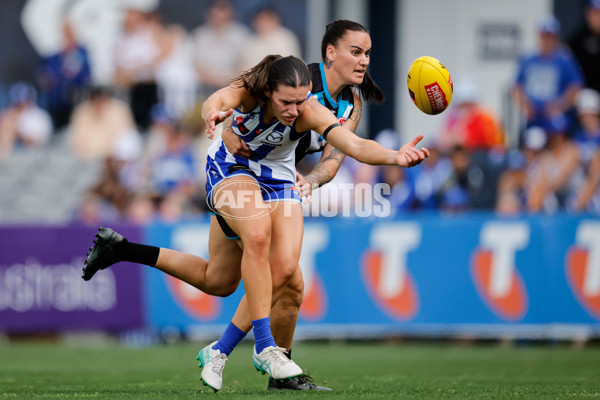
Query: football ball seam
{"type": "Point", "coordinates": [429, 85]}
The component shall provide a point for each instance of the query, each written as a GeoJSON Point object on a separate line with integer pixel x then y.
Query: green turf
{"type": "Point", "coordinates": [354, 371]}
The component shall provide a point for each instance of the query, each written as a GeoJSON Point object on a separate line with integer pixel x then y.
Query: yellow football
{"type": "Point", "coordinates": [429, 85]}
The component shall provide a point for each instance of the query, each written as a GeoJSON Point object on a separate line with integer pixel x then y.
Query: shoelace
{"type": "Point", "coordinates": [218, 363]}
{"type": "Point", "coordinates": [277, 356]}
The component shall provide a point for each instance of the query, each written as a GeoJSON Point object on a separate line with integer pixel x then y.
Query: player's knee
{"type": "Point", "coordinates": [258, 240]}
{"type": "Point", "coordinates": [282, 271]}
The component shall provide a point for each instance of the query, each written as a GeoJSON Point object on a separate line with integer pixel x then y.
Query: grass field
{"type": "Point", "coordinates": [355, 371]}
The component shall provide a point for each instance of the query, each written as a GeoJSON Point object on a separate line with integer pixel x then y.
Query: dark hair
{"type": "Point", "coordinates": [271, 72]}
{"type": "Point", "coordinates": [335, 30]}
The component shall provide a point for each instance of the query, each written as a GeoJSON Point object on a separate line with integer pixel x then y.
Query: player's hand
{"type": "Point", "coordinates": [304, 188]}
{"type": "Point", "coordinates": [409, 155]}
{"type": "Point", "coordinates": [214, 118]}
{"type": "Point", "coordinates": [235, 144]}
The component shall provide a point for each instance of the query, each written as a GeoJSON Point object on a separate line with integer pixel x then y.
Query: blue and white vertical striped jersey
{"type": "Point", "coordinates": [273, 146]}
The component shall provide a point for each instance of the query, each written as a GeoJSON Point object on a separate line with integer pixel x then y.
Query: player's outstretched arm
{"type": "Point", "coordinates": [318, 118]}
{"type": "Point", "coordinates": [327, 167]}
{"type": "Point", "coordinates": [332, 158]}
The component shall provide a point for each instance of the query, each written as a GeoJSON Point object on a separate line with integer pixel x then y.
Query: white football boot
{"type": "Point", "coordinates": [273, 361]}
{"type": "Point", "coordinates": [212, 363]}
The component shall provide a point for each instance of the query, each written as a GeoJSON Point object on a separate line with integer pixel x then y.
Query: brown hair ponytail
{"type": "Point", "coordinates": [272, 71]}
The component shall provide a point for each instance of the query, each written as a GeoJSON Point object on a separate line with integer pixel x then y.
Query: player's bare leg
{"type": "Point", "coordinates": [250, 225]}
{"type": "Point", "coordinates": [284, 255]}
{"type": "Point", "coordinates": [218, 277]}
{"type": "Point", "coordinates": [284, 316]}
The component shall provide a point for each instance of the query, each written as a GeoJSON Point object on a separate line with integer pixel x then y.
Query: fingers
{"type": "Point", "coordinates": [305, 192]}
{"type": "Point", "coordinates": [412, 156]}
{"type": "Point", "coordinates": [416, 140]}
{"type": "Point", "coordinates": [304, 188]}
{"type": "Point", "coordinates": [245, 149]}
{"type": "Point", "coordinates": [306, 199]}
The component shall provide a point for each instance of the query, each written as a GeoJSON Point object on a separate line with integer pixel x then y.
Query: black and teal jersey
{"type": "Point", "coordinates": [341, 107]}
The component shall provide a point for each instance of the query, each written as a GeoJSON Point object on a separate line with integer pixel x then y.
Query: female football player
{"type": "Point", "coordinates": [345, 50]}
{"type": "Point", "coordinates": [272, 113]}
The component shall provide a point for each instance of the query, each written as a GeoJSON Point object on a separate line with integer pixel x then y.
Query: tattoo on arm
{"type": "Point", "coordinates": [355, 116]}
{"type": "Point", "coordinates": [228, 124]}
{"type": "Point", "coordinates": [321, 174]}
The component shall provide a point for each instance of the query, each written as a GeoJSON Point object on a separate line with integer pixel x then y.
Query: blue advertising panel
{"type": "Point", "coordinates": [429, 274]}
{"type": "Point", "coordinates": [173, 303]}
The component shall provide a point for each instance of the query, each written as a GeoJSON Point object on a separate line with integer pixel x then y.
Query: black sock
{"type": "Point", "coordinates": [288, 353]}
{"type": "Point", "coordinates": [137, 253]}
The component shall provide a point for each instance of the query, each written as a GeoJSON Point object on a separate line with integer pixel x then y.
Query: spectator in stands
{"type": "Point", "coordinates": [515, 180]}
{"type": "Point", "coordinates": [64, 76]}
{"type": "Point", "coordinates": [586, 45]}
{"type": "Point", "coordinates": [468, 123]}
{"type": "Point", "coordinates": [167, 177]}
{"type": "Point", "coordinates": [587, 136]}
{"type": "Point", "coordinates": [173, 166]}
{"type": "Point", "coordinates": [140, 48]}
{"type": "Point", "coordinates": [270, 37]}
{"type": "Point", "coordinates": [109, 199]}
{"type": "Point", "coordinates": [548, 80]}
{"type": "Point", "coordinates": [588, 198]}
{"type": "Point", "coordinates": [401, 190]}
{"type": "Point", "coordinates": [217, 46]}
{"type": "Point", "coordinates": [97, 123]}
{"type": "Point", "coordinates": [429, 179]}
{"type": "Point", "coordinates": [23, 124]}
{"type": "Point", "coordinates": [455, 192]}
{"type": "Point", "coordinates": [175, 73]}
{"type": "Point", "coordinates": [558, 175]}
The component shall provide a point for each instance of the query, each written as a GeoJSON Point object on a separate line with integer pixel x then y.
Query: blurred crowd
{"type": "Point", "coordinates": [145, 133]}
{"type": "Point", "coordinates": [144, 128]}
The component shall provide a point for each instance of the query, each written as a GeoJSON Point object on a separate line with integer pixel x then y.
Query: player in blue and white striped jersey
{"type": "Point", "coordinates": [268, 234]}
{"type": "Point", "coordinates": [279, 102]}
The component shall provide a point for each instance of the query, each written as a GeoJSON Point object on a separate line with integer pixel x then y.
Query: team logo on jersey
{"type": "Point", "coordinates": [274, 137]}
{"type": "Point", "coordinates": [342, 120]}
{"type": "Point", "coordinates": [193, 301]}
{"type": "Point", "coordinates": [494, 270]}
{"type": "Point", "coordinates": [385, 271]}
{"type": "Point", "coordinates": [582, 266]}
{"type": "Point", "coordinates": [239, 123]}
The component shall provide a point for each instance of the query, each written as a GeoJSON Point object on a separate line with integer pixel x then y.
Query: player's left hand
{"type": "Point", "coordinates": [304, 188]}
{"type": "Point", "coordinates": [214, 118]}
{"type": "Point", "coordinates": [409, 155]}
